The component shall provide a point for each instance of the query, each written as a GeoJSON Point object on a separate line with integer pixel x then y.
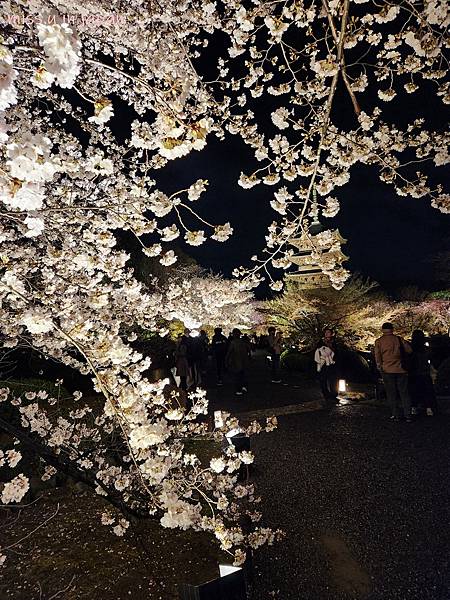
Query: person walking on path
{"type": "Point", "coordinates": [204, 351]}
{"type": "Point", "coordinates": [420, 383]}
{"type": "Point", "coordinates": [275, 340]}
{"type": "Point", "coordinates": [195, 346]}
{"type": "Point", "coordinates": [236, 360]}
{"type": "Point", "coordinates": [181, 360]}
{"type": "Point", "coordinates": [391, 353]}
{"type": "Point", "coordinates": [326, 358]}
{"type": "Point", "coordinates": [219, 344]}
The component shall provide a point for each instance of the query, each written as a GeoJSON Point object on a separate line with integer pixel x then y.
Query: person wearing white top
{"type": "Point", "coordinates": [325, 358]}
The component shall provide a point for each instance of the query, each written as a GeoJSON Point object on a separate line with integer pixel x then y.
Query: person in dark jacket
{"type": "Point", "coordinates": [420, 383]}
{"type": "Point", "coordinates": [181, 360]}
{"type": "Point", "coordinates": [219, 345]}
{"type": "Point", "coordinates": [204, 349]}
{"type": "Point", "coordinates": [237, 360]}
{"type": "Point", "coordinates": [275, 340]}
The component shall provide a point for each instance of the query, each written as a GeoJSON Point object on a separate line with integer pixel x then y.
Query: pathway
{"type": "Point", "coordinates": [364, 501]}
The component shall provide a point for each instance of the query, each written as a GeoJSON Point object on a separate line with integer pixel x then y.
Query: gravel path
{"type": "Point", "coordinates": [262, 394]}
{"type": "Point", "coordinates": [364, 502]}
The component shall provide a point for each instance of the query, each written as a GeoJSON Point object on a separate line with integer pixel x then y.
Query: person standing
{"type": "Point", "coordinates": [181, 360]}
{"type": "Point", "coordinates": [204, 351]}
{"type": "Point", "coordinates": [194, 356]}
{"type": "Point", "coordinates": [325, 357]}
{"type": "Point", "coordinates": [420, 383]}
{"type": "Point", "coordinates": [236, 360]}
{"type": "Point", "coordinates": [219, 345]}
{"type": "Point", "coordinates": [391, 353]}
{"type": "Point", "coordinates": [275, 340]}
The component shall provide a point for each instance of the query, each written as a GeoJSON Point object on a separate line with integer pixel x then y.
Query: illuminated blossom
{"type": "Point", "coordinates": [15, 490]}
{"type": "Point", "coordinates": [222, 232]}
{"type": "Point", "coordinates": [195, 238]}
{"type": "Point", "coordinates": [35, 226]}
{"type": "Point", "coordinates": [168, 258]}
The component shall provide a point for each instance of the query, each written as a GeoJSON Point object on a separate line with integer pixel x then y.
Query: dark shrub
{"type": "Point", "coordinates": [354, 367]}
{"type": "Point", "coordinates": [443, 378]}
{"type": "Point", "coordinates": [298, 362]}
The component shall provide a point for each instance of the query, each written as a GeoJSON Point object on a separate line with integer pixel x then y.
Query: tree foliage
{"type": "Point", "coordinates": [355, 313]}
{"type": "Point", "coordinates": [73, 174]}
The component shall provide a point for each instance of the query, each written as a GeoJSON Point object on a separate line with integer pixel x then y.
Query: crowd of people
{"type": "Point", "coordinates": [230, 354]}
{"type": "Point", "coordinates": [403, 366]}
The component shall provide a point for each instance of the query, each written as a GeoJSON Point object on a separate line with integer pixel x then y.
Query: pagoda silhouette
{"type": "Point", "coordinates": [309, 275]}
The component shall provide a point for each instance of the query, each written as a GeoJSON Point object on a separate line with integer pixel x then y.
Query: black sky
{"type": "Point", "coordinates": [390, 238]}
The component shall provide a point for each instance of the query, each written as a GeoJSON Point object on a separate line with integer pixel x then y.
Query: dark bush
{"type": "Point", "coordinates": [354, 367]}
{"type": "Point", "coordinates": [298, 362]}
{"type": "Point", "coordinates": [20, 386]}
{"type": "Point", "coordinates": [28, 363]}
{"type": "Point", "coordinates": [443, 378]}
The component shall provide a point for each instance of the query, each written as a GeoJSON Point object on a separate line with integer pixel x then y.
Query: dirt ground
{"type": "Point", "coordinates": [74, 557]}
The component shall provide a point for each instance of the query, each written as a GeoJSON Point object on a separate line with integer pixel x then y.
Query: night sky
{"type": "Point", "coordinates": [390, 237]}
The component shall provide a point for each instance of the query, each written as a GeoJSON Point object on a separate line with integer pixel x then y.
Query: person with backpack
{"type": "Point", "coordinates": [391, 356]}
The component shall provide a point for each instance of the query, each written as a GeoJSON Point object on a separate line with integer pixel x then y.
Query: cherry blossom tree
{"type": "Point", "coordinates": [70, 177]}
{"type": "Point", "coordinates": [199, 299]}
{"type": "Point", "coordinates": [315, 58]}
{"type": "Point", "coordinates": [65, 288]}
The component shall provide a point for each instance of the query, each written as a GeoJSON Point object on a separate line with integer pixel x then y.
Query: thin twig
{"type": "Point", "coordinates": [34, 530]}
{"type": "Point", "coordinates": [64, 590]}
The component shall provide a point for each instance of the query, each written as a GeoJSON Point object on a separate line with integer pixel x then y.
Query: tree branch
{"type": "Point", "coordinates": [69, 469]}
{"type": "Point", "coordinates": [342, 64]}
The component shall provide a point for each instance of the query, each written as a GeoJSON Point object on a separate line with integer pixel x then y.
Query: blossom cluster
{"type": "Point", "coordinates": [300, 54]}
{"type": "Point", "coordinates": [66, 289]}
{"type": "Point", "coordinates": [69, 182]}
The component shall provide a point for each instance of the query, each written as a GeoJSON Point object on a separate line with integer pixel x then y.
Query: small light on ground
{"type": "Point", "coordinates": [227, 569]}
{"type": "Point", "coordinates": [218, 419]}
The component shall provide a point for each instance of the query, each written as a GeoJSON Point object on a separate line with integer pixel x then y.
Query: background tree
{"type": "Point", "coordinates": [355, 313]}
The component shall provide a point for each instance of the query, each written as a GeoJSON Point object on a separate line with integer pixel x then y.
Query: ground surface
{"type": "Point", "coordinates": [74, 557]}
{"type": "Point", "coordinates": [364, 503]}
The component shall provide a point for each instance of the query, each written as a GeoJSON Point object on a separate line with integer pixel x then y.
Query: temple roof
{"type": "Point", "coordinates": [305, 242]}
